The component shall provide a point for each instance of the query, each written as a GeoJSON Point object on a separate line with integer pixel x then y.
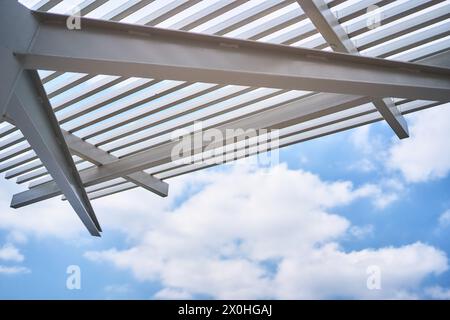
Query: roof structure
{"type": "Point", "coordinates": [93, 90]}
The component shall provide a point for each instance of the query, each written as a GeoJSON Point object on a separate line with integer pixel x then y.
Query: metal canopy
{"type": "Point", "coordinates": [90, 112]}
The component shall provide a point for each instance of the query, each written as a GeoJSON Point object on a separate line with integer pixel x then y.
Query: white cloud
{"type": "Point", "coordinates": [265, 234]}
{"type": "Point", "coordinates": [385, 199]}
{"type": "Point", "coordinates": [370, 148]}
{"type": "Point", "coordinates": [426, 154]}
{"type": "Point", "coordinates": [382, 195]}
{"type": "Point", "coordinates": [373, 155]}
{"type": "Point", "coordinates": [438, 292]}
{"type": "Point", "coordinates": [344, 274]}
{"type": "Point", "coordinates": [362, 139]}
{"type": "Point", "coordinates": [4, 270]}
{"type": "Point", "coordinates": [423, 157]}
{"type": "Point", "coordinates": [56, 218]}
{"type": "Point", "coordinates": [444, 220]}
{"type": "Point", "coordinates": [48, 218]}
{"type": "Point", "coordinates": [10, 253]}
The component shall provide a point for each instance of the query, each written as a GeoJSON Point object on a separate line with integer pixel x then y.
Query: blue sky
{"type": "Point", "coordinates": [307, 227]}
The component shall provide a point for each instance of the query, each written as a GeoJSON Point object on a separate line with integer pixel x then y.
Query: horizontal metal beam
{"type": "Point", "coordinates": [306, 109]}
{"type": "Point", "coordinates": [99, 157]}
{"type": "Point", "coordinates": [159, 53]}
{"type": "Point", "coordinates": [332, 31]}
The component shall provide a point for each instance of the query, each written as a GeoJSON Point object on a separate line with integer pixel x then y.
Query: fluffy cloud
{"type": "Point", "coordinates": [426, 154]}
{"type": "Point", "coordinates": [10, 253]}
{"type": "Point", "coordinates": [265, 234]}
{"type": "Point", "coordinates": [423, 157]}
{"type": "Point", "coordinates": [364, 141]}
{"type": "Point", "coordinates": [345, 274]}
{"type": "Point", "coordinates": [444, 220]}
{"type": "Point", "coordinates": [56, 218]}
{"type": "Point", "coordinates": [370, 148]}
{"type": "Point", "coordinates": [47, 218]}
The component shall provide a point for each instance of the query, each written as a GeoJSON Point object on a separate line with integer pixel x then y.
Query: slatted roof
{"type": "Point", "coordinates": [106, 118]}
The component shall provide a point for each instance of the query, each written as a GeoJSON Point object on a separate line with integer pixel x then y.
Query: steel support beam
{"type": "Point", "coordinates": [103, 47]}
{"type": "Point", "coordinates": [24, 104]}
{"type": "Point", "coordinates": [37, 122]}
{"type": "Point", "coordinates": [99, 157]}
{"type": "Point", "coordinates": [306, 109]}
{"type": "Point", "coordinates": [332, 31]}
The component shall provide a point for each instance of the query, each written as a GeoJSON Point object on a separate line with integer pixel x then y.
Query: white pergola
{"type": "Point", "coordinates": [86, 113]}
